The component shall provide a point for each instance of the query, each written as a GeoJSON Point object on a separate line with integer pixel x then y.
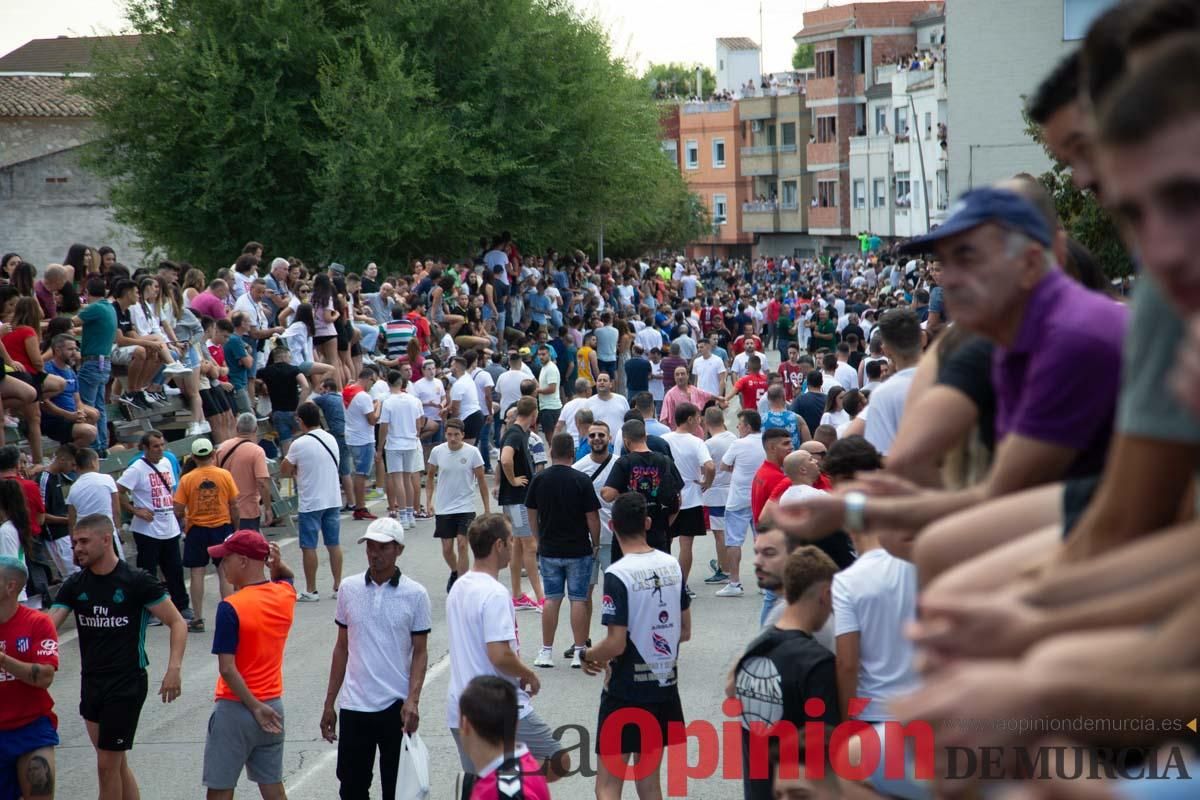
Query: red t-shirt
{"type": "Point", "coordinates": [14, 343]}
{"type": "Point", "coordinates": [768, 477]}
{"type": "Point", "coordinates": [218, 355]}
{"type": "Point", "coordinates": [533, 785]}
{"type": "Point", "coordinates": [33, 499]}
{"type": "Point", "coordinates": [710, 319]}
{"type": "Point", "coordinates": [349, 392]}
{"type": "Point", "coordinates": [751, 387]}
{"type": "Point", "coordinates": [423, 333]}
{"type": "Point", "coordinates": [792, 379]}
{"type": "Point", "coordinates": [773, 308]}
{"type": "Point", "coordinates": [30, 637]}
{"type": "Point", "coordinates": [823, 483]}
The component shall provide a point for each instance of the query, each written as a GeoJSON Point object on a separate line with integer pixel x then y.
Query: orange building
{"type": "Point", "coordinates": [710, 140]}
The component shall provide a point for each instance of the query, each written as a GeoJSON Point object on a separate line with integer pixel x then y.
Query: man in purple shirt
{"type": "Point", "coordinates": [211, 302]}
{"type": "Point", "coordinates": [1055, 370]}
{"type": "Point", "coordinates": [52, 281]}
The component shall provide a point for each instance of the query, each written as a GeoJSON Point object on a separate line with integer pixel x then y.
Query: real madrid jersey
{"type": "Point", "coordinates": [644, 592]}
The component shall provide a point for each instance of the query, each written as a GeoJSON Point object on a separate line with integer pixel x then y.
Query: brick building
{"type": "Point", "coordinates": [849, 42]}
{"type": "Point", "coordinates": [47, 199]}
{"type": "Point", "coordinates": [710, 141]}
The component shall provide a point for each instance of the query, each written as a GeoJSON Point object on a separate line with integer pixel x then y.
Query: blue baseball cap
{"type": "Point", "coordinates": [978, 206]}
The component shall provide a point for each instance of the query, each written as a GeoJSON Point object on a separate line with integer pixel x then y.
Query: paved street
{"type": "Point", "coordinates": [170, 740]}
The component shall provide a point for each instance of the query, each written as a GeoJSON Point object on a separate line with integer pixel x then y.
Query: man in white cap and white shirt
{"type": "Point", "coordinates": [379, 662]}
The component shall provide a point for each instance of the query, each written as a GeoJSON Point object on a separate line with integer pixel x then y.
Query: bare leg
{"type": "Point", "coordinates": [550, 621]}
{"type": "Point", "coordinates": [111, 769]}
{"type": "Point", "coordinates": [579, 622]}
{"type": "Point", "coordinates": [685, 555]}
{"type": "Point", "coordinates": [360, 490]}
{"type": "Point", "coordinates": [309, 557]}
{"type": "Point", "coordinates": [448, 554]}
{"type": "Point", "coordinates": [464, 557]}
{"type": "Point", "coordinates": [733, 564]}
{"type": "Point", "coordinates": [329, 354]}
{"type": "Point", "coordinates": [197, 592]}
{"type": "Point", "coordinates": [335, 565]}
{"type": "Point", "coordinates": [414, 489]}
{"type": "Point", "coordinates": [514, 564]}
{"type": "Point", "coordinates": [529, 557]}
{"type": "Point", "coordinates": [36, 774]}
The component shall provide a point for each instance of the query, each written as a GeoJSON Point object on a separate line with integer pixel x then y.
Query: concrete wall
{"type": "Point", "coordinates": [739, 66]}
{"type": "Point", "coordinates": [48, 203]}
{"type": "Point", "coordinates": [23, 138]}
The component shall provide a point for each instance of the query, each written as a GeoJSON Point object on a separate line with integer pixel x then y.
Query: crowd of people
{"type": "Point", "coordinates": [954, 426]}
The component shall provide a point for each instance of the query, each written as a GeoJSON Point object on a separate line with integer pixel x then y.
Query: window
{"type": "Point", "coordinates": [789, 194]}
{"type": "Point", "coordinates": [860, 193]}
{"type": "Point", "coordinates": [671, 148]}
{"type": "Point", "coordinates": [770, 134]}
{"type": "Point", "coordinates": [826, 129]}
{"type": "Point", "coordinates": [1078, 15]}
{"type": "Point", "coordinates": [827, 194]}
{"type": "Point", "coordinates": [720, 209]}
{"type": "Point", "coordinates": [928, 192]}
{"type": "Point", "coordinates": [901, 122]}
{"type": "Point", "coordinates": [943, 190]}
{"type": "Point", "coordinates": [928, 125]}
{"type": "Point", "coordinates": [880, 193]}
{"type": "Point", "coordinates": [859, 56]}
{"type": "Point", "coordinates": [903, 190]}
{"type": "Point", "coordinates": [692, 153]}
{"type": "Point", "coordinates": [788, 133]}
{"type": "Point", "coordinates": [718, 154]}
{"type": "Point", "coordinates": [824, 62]}
{"type": "Point", "coordinates": [721, 65]}
{"type": "Point", "coordinates": [881, 115]}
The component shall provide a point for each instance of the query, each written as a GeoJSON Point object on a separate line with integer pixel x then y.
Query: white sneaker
{"type": "Point", "coordinates": [545, 657]}
{"type": "Point", "coordinates": [576, 661]}
{"type": "Point", "coordinates": [731, 590]}
{"type": "Point", "coordinates": [308, 597]}
{"type": "Point", "coordinates": [194, 429]}
{"type": "Point", "coordinates": [172, 391]}
{"type": "Point", "coordinates": [177, 368]}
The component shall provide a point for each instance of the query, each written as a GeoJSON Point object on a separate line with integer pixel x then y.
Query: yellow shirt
{"type": "Point", "coordinates": [207, 492]}
{"type": "Point", "coordinates": [585, 363]}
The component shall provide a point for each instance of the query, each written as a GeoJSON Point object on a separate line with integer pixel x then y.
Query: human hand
{"type": "Point", "coordinates": [992, 625]}
{"type": "Point", "coordinates": [144, 514]}
{"type": "Point", "coordinates": [172, 685]}
{"type": "Point", "coordinates": [329, 724]}
{"type": "Point", "coordinates": [267, 718]}
{"type": "Point", "coordinates": [521, 480]}
{"type": "Point", "coordinates": [411, 717]}
{"type": "Point", "coordinates": [531, 684]}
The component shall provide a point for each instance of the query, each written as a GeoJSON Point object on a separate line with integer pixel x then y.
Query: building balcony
{"type": "Point", "coordinates": [870, 145]}
{"type": "Point", "coordinates": [707, 108]}
{"type": "Point", "coordinates": [760, 217]}
{"type": "Point", "coordinates": [754, 108]}
{"type": "Point", "coordinates": [760, 160]}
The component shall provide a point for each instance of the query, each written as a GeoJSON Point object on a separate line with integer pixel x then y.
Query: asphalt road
{"type": "Point", "coordinates": [167, 758]}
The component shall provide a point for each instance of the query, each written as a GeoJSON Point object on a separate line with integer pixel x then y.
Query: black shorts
{"type": "Point", "coordinates": [114, 702]}
{"type": "Point", "coordinates": [320, 340]}
{"type": "Point", "coordinates": [57, 428]}
{"type": "Point", "coordinates": [689, 522]}
{"type": "Point", "coordinates": [355, 350]}
{"type": "Point", "coordinates": [668, 717]}
{"type": "Point", "coordinates": [214, 402]}
{"type": "Point", "coordinates": [472, 425]}
{"type": "Point", "coordinates": [343, 337]}
{"type": "Point", "coordinates": [198, 540]}
{"type": "Point", "coordinates": [1077, 495]}
{"type": "Point", "coordinates": [447, 526]}
{"type": "Point", "coordinates": [35, 381]}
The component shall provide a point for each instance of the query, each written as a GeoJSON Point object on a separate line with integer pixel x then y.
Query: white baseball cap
{"type": "Point", "coordinates": [384, 530]}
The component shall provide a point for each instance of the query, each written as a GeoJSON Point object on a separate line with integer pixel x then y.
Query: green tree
{"type": "Point", "coordinates": [666, 80]}
{"type": "Point", "coordinates": [375, 130]}
{"type": "Point", "coordinates": [803, 57]}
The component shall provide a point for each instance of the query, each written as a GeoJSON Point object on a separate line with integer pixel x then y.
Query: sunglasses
{"type": "Point", "coordinates": [597, 435]}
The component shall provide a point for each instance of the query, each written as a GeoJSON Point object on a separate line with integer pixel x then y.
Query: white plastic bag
{"type": "Point", "coordinates": [412, 779]}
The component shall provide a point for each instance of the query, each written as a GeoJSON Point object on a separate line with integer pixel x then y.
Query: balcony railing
{"type": "Point", "coordinates": [792, 206]}
{"type": "Point", "coordinates": [787, 148]}
{"type": "Point", "coordinates": [760, 207]}
{"type": "Point", "coordinates": [758, 150]}
{"type": "Point", "coordinates": [707, 108]}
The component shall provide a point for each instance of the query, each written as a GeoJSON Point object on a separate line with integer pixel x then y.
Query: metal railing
{"type": "Point", "coordinates": [759, 150]}
{"type": "Point", "coordinates": [707, 108]}
{"type": "Point", "coordinates": [760, 207]}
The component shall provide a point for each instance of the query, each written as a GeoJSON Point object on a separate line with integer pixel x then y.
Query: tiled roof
{"type": "Point", "coordinates": [738, 43]}
{"type": "Point", "coordinates": [61, 54]}
{"type": "Point", "coordinates": [826, 27]}
{"type": "Point", "coordinates": [40, 96]}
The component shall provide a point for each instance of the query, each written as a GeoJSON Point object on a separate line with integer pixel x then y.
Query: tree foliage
{"type": "Point", "coordinates": [1081, 214]}
{"type": "Point", "coordinates": [803, 57]}
{"type": "Point", "coordinates": [679, 80]}
{"type": "Point", "coordinates": [379, 130]}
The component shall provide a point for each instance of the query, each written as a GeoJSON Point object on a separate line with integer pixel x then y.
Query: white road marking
{"type": "Point", "coordinates": [323, 761]}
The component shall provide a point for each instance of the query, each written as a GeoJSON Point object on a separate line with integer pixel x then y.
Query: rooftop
{"type": "Point", "coordinates": [738, 43]}
{"type": "Point", "coordinates": [40, 96]}
{"type": "Point", "coordinates": [60, 55]}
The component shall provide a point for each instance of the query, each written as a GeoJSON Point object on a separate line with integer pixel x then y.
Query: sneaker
{"type": "Point", "coordinates": [570, 651]}
{"type": "Point", "coordinates": [194, 429]}
{"type": "Point", "coordinates": [154, 622]}
{"type": "Point", "coordinates": [717, 577]}
{"type": "Point", "coordinates": [691, 595]}
{"type": "Point", "coordinates": [731, 590]}
{"type": "Point", "coordinates": [333, 594]}
{"type": "Point", "coordinates": [524, 603]}
{"type": "Point", "coordinates": [576, 661]}
{"type": "Point", "coordinates": [713, 565]}
{"type": "Point", "coordinates": [134, 401]}
{"type": "Point", "coordinates": [177, 368]}
{"type": "Point", "coordinates": [362, 513]}
{"type": "Point", "coordinates": [308, 597]}
{"type": "Point", "coordinates": [196, 626]}
{"type": "Point", "coordinates": [450, 582]}
{"type": "Point", "coordinates": [153, 398]}
{"type": "Point", "coordinates": [540, 605]}
{"type": "Point", "coordinates": [545, 657]}
{"type": "Point", "coordinates": [376, 494]}
{"type": "Point", "coordinates": [393, 514]}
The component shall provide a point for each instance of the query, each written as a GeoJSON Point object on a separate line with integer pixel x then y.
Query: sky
{"type": "Point", "coordinates": [641, 30]}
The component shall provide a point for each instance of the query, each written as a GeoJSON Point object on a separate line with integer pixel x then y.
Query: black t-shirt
{"type": "Point", "coordinates": [56, 504]}
{"type": "Point", "coordinates": [779, 671]}
{"type": "Point", "coordinates": [124, 320]}
{"type": "Point", "coordinates": [654, 477]}
{"type": "Point", "coordinates": [562, 497]}
{"type": "Point", "coordinates": [637, 374]}
{"type": "Point", "coordinates": [111, 614]}
{"type": "Point", "coordinates": [969, 369]}
{"type": "Point", "coordinates": [518, 439]}
{"type": "Point", "coordinates": [838, 546]}
{"type": "Point", "coordinates": [282, 386]}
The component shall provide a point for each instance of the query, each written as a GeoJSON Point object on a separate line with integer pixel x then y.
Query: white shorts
{"type": "Point", "coordinates": [123, 356]}
{"type": "Point", "coordinates": [403, 460]}
{"type": "Point", "coordinates": [63, 556]}
{"type": "Point", "coordinates": [738, 523]}
{"type": "Point", "coordinates": [716, 518]}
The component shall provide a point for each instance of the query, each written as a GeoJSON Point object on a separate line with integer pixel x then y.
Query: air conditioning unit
{"type": "Point", "coordinates": [756, 125]}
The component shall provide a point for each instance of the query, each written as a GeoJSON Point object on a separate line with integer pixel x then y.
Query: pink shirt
{"type": "Point", "coordinates": [674, 397]}
{"type": "Point", "coordinates": [532, 785]}
{"type": "Point", "coordinates": [209, 305]}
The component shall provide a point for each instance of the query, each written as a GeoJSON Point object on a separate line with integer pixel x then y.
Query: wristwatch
{"type": "Point", "coordinates": [855, 512]}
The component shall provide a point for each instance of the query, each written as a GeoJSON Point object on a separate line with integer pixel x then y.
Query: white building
{"type": "Point", "coordinates": [736, 62]}
{"type": "Point", "coordinates": [998, 53]}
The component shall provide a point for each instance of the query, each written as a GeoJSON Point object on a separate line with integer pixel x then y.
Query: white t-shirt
{"type": "Point", "coordinates": [876, 597]}
{"type": "Point", "coordinates": [888, 404]}
{"type": "Point", "coordinates": [846, 376]}
{"type": "Point", "coordinates": [739, 364]}
{"type": "Point", "coordinates": [253, 310]}
{"type": "Point", "coordinates": [599, 476]}
{"type": "Point", "coordinates": [567, 416]}
{"type": "Point", "coordinates": [467, 394]}
{"type": "Point", "coordinates": [690, 456]}
{"type": "Point", "coordinates": [649, 338]}
{"type": "Point", "coordinates": [358, 430]}
{"type": "Point", "coordinates": [401, 411]}
{"type": "Point", "coordinates": [864, 415]}
{"type": "Point", "coordinates": [152, 488]}
{"type": "Point", "coordinates": [835, 418]}
{"type": "Point", "coordinates": [479, 610]}
{"type": "Point", "coordinates": [657, 390]}
{"type": "Point", "coordinates": [91, 493]}
{"type": "Point", "coordinates": [431, 393]}
{"type": "Point", "coordinates": [380, 622]}
{"type": "Point", "coordinates": [509, 387]}
{"type": "Point", "coordinates": [145, 324]}
{"type": "Point", "coordinates": [10, 545]}
{"type": "Point", "coordinates": [299, 343]}
{"type": "Point", "coordinates": [317, 481]}
{"type": "Point", "coordinates": [799, 493]}
{"type": "Point", "coordinates": [456, 484]}
{"type": "Point", "coordinates": [708, 373]}
{"type": "Point", "coordinates": [717, 446]}
{"type": "Point", "coordinates": [745, 455]}
{"type": "Point", "coordinates": [611, 411]}
{"type": "Point", "coordinates": [449, 346]}
{"type": "Point", "coordinates": [483, 384]}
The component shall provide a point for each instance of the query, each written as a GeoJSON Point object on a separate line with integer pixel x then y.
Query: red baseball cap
{"type": "Point", "coordinates": [250, 544]}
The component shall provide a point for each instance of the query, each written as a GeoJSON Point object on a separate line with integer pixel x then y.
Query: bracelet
{"type": "Point", "coordinates": [855, 511]}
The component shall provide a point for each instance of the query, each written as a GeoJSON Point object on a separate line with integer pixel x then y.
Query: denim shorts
{"type": "Point", "coordinates": [343, 456]}
{"type": "Point", "coordinates": [362, 456]}
{"type": "Point", "coordinates": [572, 574]}
{"type": "Point", "coordinates": [738, 522]}
{"type": "Point", "coordinates": [327, 522]}
{"type": "Point", "coordinates": [284, 423]}
{"type": "Point", "coordinates": [16, 743]}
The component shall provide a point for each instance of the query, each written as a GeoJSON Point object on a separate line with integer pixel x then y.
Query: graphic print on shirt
{"type": "Point", "coordinates": [160, 495]}
{"type": "Point", "coordinates": [759, 687]}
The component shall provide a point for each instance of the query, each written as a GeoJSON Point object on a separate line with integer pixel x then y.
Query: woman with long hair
{"type": "Point", "coordinates": [22, 279]}
{"type": "Point", "coordinates": [298, 337]}
{"type": "Point", "coordinates": [835, 414]}
{"type": "Point", "coordinates": [194, 283]}
{"type": "Point", "coordinates": [16, 532]}
{"type": "Point", "coordinates": [854, 403]}
{"type": "Point", "coordinates": [81, 258]}
{"type": "Point", "coordinates": [148, 320]}
{"type": "Point", "coordinates": [325, 335]}
{"type": "Point", "coordinates": [23, 347]}
{"type": "Point", "coordinates": [108, 257]}
{"type": "Point", "coordinates": [7, 264]}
